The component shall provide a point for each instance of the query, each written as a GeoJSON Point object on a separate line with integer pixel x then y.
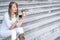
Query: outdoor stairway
{"type": "Point", "coordinates": [43, 19]}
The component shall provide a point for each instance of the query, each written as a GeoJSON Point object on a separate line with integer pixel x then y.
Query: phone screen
{"type": "Point", "coordinates": [20, 16]}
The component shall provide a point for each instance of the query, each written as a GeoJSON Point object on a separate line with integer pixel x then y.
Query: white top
{"type": "Point", "coordinates": [7, 22]}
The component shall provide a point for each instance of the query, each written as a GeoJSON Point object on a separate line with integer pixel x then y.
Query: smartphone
{"type": "Point", "coordinates": [20, 16]}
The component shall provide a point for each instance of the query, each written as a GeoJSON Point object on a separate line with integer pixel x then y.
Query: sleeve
{"type": "Point", "coordinates": [7, 20]}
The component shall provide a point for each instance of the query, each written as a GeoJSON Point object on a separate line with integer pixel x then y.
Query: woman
{"type": "Point", "coordinates": [11, 25]}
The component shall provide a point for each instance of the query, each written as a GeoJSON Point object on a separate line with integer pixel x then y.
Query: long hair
{"type": "Point", "coordinates": [9, 10]}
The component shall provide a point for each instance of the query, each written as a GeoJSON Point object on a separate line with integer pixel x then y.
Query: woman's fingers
{"type": "Point", "coordinates": [20, 22]}
{"type": "Point", "coordinates": [17, 19]}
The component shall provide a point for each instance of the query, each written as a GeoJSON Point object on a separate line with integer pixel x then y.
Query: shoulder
{"type": "Point", "coordinates": [6, 15]}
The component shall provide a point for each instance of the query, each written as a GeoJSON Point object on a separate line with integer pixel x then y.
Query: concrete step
{"type": "Point", "coordinates": [28, 7]}
{"type": "Point", "coordinates": [49, 35]}
{"type": "Point", "coordinates": [4, 9]}
{"type": "Point", "coordinates": [35, 10]}
{"type": "Point", "coordinates": [41, 31]}
{"type": "Point", "coordinates": [56, 34]}
{"type": "Point", "coordinates": [40, 22]}
{"type": "Point", "coordinates": [29, 2]}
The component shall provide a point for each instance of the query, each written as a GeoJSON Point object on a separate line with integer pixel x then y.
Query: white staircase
{"type": "Point", "coordinates": [43, 19]}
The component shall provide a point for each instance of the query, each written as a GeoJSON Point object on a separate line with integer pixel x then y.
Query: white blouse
{"type": "Point", "coordinates": [7, 22]}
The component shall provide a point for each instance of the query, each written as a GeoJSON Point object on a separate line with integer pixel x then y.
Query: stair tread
{"type": "Point", "coordinates": [39, 32]}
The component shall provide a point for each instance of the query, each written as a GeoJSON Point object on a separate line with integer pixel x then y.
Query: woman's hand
{"type": "Point", "coordinates": [20, 22]}
{"type": "Point", "coordinates": [23, 15]}
{"type": "Point", "coordinates": [17, 19]}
